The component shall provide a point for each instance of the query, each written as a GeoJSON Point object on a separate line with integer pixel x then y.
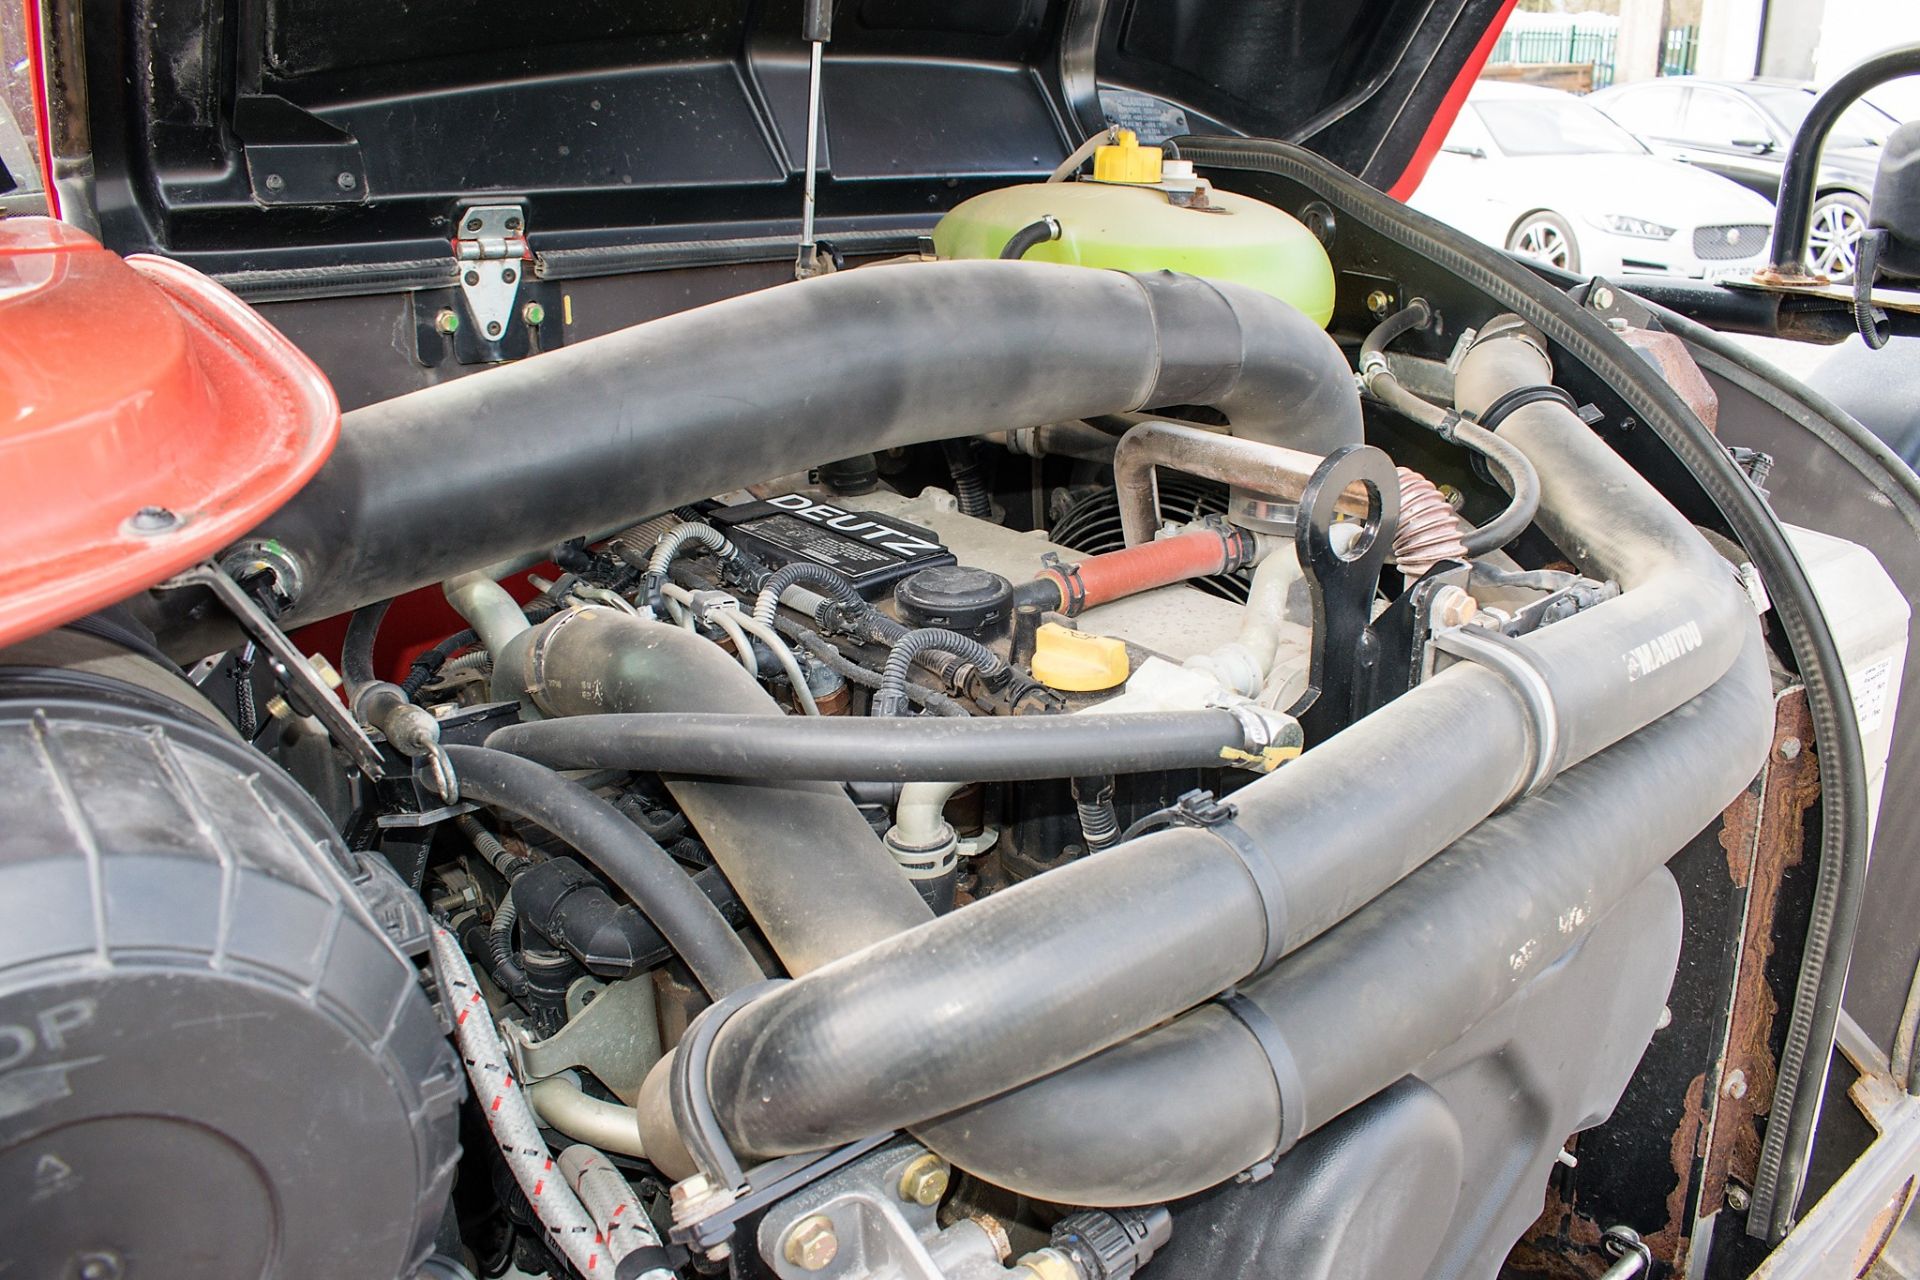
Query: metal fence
{"type": "Point", "coordinates": [1680, 51]}
{"type": "Point", "coordinates": [1571, 44]}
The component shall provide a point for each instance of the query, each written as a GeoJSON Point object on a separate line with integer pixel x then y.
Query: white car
{"type": "Point", "coordinates": [1543, 174]}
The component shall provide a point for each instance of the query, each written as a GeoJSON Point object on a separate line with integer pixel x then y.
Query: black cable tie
{"type": "Point", "coordinates": [1200, 810]}
{"type": "Point", "coordinates": [1286, 1078]}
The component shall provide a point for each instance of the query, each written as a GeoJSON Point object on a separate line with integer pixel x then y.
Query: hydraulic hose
{"type": "Point", "coordinates": [1111, 925]}
{"type": "Point", "coordinates": [858, 361]}
{"type": "Point", "coordinates": [622, 852]}
{"type": "Point", "coordinates": [800, 854]}
{"type": "Point", "coordinates": [1370, 1001]}
{"type": "Point", "coordinates": [867, 749]}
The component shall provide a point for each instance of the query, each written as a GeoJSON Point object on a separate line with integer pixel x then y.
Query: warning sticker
{"type": "Point", "coordinates": [1152, 120]}
{"type": "Point", "coordinates": [1870, 689]}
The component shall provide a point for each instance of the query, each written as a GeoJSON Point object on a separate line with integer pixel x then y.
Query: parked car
{"type": "Point", "coordinates": [1741, 130]}
{"type": "Point", "coordinates": [1543, 174]}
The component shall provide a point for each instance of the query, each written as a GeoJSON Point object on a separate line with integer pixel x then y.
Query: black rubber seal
{"type": "Point", "coordinates": [1519, 398]}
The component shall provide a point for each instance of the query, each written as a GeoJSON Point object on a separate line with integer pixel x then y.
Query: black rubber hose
{"type": "Point", "coordinates": [1038, 232]}
{"type": "Point", "coordinates": [1433, 956]}
{"type": "Point", "coordinates": [1522, 484]}
{"type": "Point", "coordinates": [622, 852]}
{"type": "Point", "coordinates": [425, 667]}
{"type": "Point", "coordinates": [891, 700]}
{"type": "Point", "coordinates": [356, 650]}
{"type": "Point", "coordinates": [969, 485]}
{"type": "Point", "coordinates": [803, 858]}
{"type": "Point", "coordinates": [1457, 748]}
{"type": "Point", "coordinates": [415, 492]}
{"type": "Point", "coordinates": [1515, 471]}
{"type": "Point", "coordinates": [1843, 840]}
{"type": "Point", "coordinates": [867, 749]}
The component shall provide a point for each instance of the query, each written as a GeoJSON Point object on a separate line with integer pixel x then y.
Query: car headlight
{"type": "Point", "coordinates": [1638, 228]}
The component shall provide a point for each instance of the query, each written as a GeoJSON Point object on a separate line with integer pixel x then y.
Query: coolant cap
{"type": "Point", "coordinates": [147, 418]}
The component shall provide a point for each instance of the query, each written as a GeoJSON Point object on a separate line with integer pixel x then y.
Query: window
{"type": "Point", "coordinates": [1860, 125]}
{"type": "Point", "coordinates": [1652, 112]}
{"type": "Point", "coordinates": [1468, 135]}
{"type": "Point", "coordinates": [1722, 120]}
{"type": "Point", "coordinates": [1554, 126]}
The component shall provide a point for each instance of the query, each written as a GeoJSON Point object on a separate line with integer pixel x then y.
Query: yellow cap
{"type": "Point", "coordinates": [1076, 662]}
{"type": "Point", "coordinates": [1125, 160]}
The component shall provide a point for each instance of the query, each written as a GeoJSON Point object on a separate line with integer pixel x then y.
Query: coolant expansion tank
{"type": "Point", "coordinates": [1133, 227]}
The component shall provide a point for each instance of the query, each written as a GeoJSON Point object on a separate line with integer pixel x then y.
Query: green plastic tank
{"type": "Point", "coordinates": [1137, 227]}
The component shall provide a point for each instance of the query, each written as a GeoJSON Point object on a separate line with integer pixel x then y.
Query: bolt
{"type": "Point", "coordinates": [275, 182]}
{"type": "Point", "coordinates": [473, 224]}
{"type": "Point", "coordinates": [472, 277]}
{"type": "Point", "coordinates": [513, 224]}
{"type": "Point", "coordinates": [509, 275]}
{"type": "Point", "coordinates": [346, 181]}
{"type": "Point", "coordinates": [811, 1243]}
{"type": "Point", "coordinates": [1379, 302]}
{"type": "Point", "coordinates": [533, 313]}
{"type": "Point", "coordinates": [98, 1266]}
{"type": "Point", "coordinates": [1618, 324]}
{"type": "Point", "coordinates": [1603, 297]}
{"type": "Point", "coordinates": [924, 1181]}
{"type": "Point", "coordinates": [493, 328]}
{"type": "Point", "coordinates": [1736, 1085]}
{"type": "Point", "coordinates": [152, 520]}
{"type": "Point", "coordinates": [1453, 607]}
{"type": "Point", "coordinates": [1737, 1198]}
{"type": "Point", "coordinates": [447, 321]}
{"type": "Point", "coordinates": [1789, 748]}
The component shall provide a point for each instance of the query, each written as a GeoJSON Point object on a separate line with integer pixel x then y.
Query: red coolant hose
{"type": "Point", "coordinates": [1072, 589]}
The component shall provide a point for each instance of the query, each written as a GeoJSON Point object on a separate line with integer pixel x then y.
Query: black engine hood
{"type": "Point", "coordinates": [274, 135]}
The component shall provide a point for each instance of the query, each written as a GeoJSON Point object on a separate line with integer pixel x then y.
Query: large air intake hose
{"type": "Point", "coordinates": [1046, 973]}
{"type": "Point", "coordinates": [591, 437]}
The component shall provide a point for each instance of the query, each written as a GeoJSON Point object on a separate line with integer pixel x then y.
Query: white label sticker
{"type": "Point", "coordinates": [1870, 689]}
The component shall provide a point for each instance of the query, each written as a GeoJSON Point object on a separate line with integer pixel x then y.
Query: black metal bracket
{"type": "Point", "coordinates": [1393, 654]}
{"type": "Point", "coordinates": [1342, 583]}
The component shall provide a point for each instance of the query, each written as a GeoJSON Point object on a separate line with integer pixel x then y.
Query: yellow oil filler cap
{"type": "Point", "coordinates": [1075, 662]}
{"type": "Point", "coordinates": [1125, 160]}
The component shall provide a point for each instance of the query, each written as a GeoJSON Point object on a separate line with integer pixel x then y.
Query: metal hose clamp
{"type": "Point", "coordinates": [1511, 661]}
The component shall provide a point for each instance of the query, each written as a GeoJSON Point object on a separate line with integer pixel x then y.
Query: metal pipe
{"type": "Point", "coordinates": [1272, 471]}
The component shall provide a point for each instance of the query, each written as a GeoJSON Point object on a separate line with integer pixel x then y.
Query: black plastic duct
{"type": "Point", "coordinates": [591, 437]}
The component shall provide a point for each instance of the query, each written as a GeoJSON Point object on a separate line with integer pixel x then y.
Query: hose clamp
{"type": "Point", "coordinates": [690, 1090]}
{"type": "Point", "coordinates": [1504, 406]}
{"type": "Point", "coordinates": [1286, 1078]}
{"type": "Point", "coordinates": [1073, 588]}
{"type": "Point", "coordinates": [1513, 663]}
{"type": "Point", "coordinates": [1200, 810]}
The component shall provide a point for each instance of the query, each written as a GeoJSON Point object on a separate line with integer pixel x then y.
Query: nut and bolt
{"type": "Point", "coordinates": [534, 314]}
{"type": "Point", "coordinates": [1453, 607]}
{"type": "Point", "coordinates": [1380, 302]}
{"type": "Point", "coordinates": [447, 321]}
{"type": "Point", "coordinates": [346, 181]}
{"type": "Point", "coordinates": [1789, 748]}
{"type": "Point", "coordinates": [811, 1244]}
{"type": "Point", "coordinates": [1603, 297]}
{"type": "Point", "coordinates": [1735, 1086]}
{"type": "Point", "coordinates": [924, 1181]}
{"type": "Point", "coordinates": [1737, 1198]}
{"type": "Point", "coordinates": [153, 520]}
{"type": "Point", "coordinates": [275, 182]}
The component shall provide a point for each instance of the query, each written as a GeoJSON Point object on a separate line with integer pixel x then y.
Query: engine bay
{"type": "Point", "coordinates": [1061, 764]}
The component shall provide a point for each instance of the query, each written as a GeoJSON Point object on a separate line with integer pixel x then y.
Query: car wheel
{"type": "Point", "coordinates": [1833, 239]}
{"type": "Point", "coordinates": [1545, 237]}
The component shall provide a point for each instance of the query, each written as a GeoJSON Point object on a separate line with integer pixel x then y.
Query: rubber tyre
{"type": "Point", "coordinates": [1536, 228]}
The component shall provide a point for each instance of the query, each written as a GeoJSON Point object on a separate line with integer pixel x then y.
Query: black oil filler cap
{"type": "Point", "coordinates": [976, 602]}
